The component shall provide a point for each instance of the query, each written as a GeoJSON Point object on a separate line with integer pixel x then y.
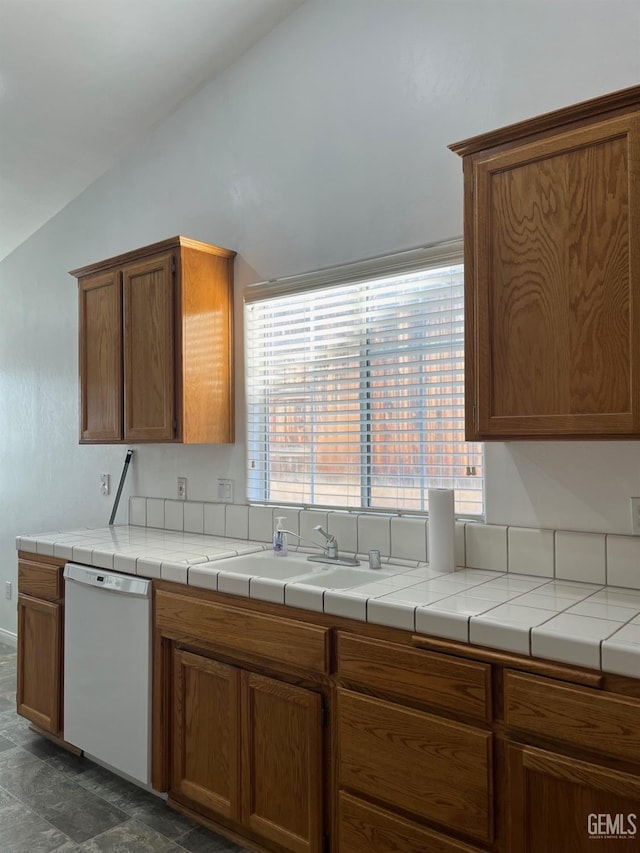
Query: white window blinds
{"type": "Point", "coordinates": [354, 389]}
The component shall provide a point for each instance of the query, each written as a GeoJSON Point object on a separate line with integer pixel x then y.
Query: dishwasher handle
{"type": "Point", "coordinates": [108, 581]}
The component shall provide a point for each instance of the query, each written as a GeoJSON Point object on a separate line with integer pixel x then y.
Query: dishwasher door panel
{"type": "Point", "coordinates": [107, 679]}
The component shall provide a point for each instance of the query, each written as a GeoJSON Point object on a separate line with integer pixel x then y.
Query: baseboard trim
{"type": "Point", "coordinates": [9, 638]}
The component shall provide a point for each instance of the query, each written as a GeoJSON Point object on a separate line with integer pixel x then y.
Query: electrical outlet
{"type": "Point", "coordinates": [105, 484]}
{"type": "Point", "coordinates": [182, 488]}
{"type": "Point", "coordinates": [225, 491]}
{"type": "Point", "coordinates": [634, 503]}
{"type": "Point", "coordinates": [7, 590]}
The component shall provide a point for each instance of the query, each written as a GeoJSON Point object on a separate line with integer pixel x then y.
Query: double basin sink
{"type": "Point", "coordinates": [297, 567]}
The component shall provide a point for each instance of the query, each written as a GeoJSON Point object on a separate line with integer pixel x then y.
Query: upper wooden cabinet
{"type": "Point", "coordinates": [156, 345]}
{"type": "Point", "coordinates": [552, 269]}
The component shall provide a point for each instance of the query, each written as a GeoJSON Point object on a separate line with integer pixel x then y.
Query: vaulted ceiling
{"type": "Point", "coordinates": [82, 80]}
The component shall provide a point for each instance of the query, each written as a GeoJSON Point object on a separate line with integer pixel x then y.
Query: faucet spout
{"type": "Point", "coordinates": [330, 553]}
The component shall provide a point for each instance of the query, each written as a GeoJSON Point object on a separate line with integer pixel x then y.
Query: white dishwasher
{"type": "Point", "coordinates": [107, 668]}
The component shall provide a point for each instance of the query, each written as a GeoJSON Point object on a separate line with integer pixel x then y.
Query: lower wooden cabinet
{"type": "Point", "coordinates": [40, 642]}
{"type": "Point", "coordinates": [39, 692]}
{"type": "Point", "coordinates": [445, 751]}
{"type": "Point", "coordinates": [562, 804]}
{"type": "Point", "coordinates": [249, 749]}
{"type": "Point", "coordinates": [407, 765]}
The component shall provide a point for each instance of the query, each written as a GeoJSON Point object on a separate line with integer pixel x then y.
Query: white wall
{"type": "Point", "coordinates": [327, 142]}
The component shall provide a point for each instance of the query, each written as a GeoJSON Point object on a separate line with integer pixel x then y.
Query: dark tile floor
{"type": "Point", "coordinates": [51, 800]}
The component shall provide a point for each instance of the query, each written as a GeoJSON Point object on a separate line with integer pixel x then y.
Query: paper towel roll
{"type": "Point", "coordinates": [442, 530]}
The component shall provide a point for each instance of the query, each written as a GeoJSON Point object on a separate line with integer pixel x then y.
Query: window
{"type": "Point", "coordinates": [355, 391]}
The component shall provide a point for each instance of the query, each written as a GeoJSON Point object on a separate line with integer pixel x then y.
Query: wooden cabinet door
{"type": "Point", "coordinates": [149, 350]}
{"type": "Point", "coordinates": [560, 803]}
{"type": "Point", "coordinates": [282, 763]}
{"type": "Point", "coordinates": [100, 357]}
{"type": "Point", "coordinates": [552, 341]}
{"type": "Point", "coordinates": [205, 760]}
{"type": "Point", "coordinates": [39, 695]}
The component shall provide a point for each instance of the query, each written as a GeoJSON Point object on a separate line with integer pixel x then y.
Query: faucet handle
{"type": "Point", "coordinates": [328, 536]}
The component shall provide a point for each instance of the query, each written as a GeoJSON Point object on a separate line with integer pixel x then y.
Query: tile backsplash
{"type": "Point", "coordinates": [564, 554]}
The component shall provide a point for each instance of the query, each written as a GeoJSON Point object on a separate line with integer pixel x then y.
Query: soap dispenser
{"type": "Point", "coordinates": [280, 538]}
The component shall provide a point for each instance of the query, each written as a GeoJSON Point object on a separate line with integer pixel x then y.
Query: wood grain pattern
{"type": "Point", "coordinates": [169, 377]}
{"type": "Point", "coordinates": [206, 348]}
{"type": "Point", "coordinates": [436, 769]}
{"type": "Point", "coordinates": [41, 558]}
{"type": "Point", "coordinates": [397, 767]}
{"type": "Point", "coordinates": [437, 680]}
{"type": "Point", "coordinates": [40, 580]}
{"type": "Point", "coordinates": [205, 766]}
{"type": "Point", "coordinates": [285, 641]}
{"type": "Point", "coordinates": [39, 692]}
{"type": "Point", "coordinates": [149, 347]}
{"type": "Point", "coordinates": [159, 248]}
{"type": "Point", "coordinates": [596, 721]}
{"type": "Point", "coordinates": [282, 763]}
{"type": "Point", "coordinates": [161, 711]}
{"type": "Point", "coordinates": [100, 357]}
{"type": "Point", "coordinates": [554, 302]}
{"type": "Point", "coordinates": [365, 828]}
{"type": "Point", "coordinates": [552, 254]}
{"type": "Point", "coordinates": [589, 678]}
{"type": "Point", "coordinates": [553, 797]}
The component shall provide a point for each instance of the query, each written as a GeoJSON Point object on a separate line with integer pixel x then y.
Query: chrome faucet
{"type": "Point", "coordinates": [331, 548]}
{"type": "Point", "coordinates": [330, 552]}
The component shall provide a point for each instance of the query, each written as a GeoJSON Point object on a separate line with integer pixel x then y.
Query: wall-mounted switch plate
{"type": "Point", "coordinates": [105, 484]}
{"type": "Point", "coordinates": [635, 516]}
{"type": "Point", "coordinates": [182, 488]}
{"type": "Point", "coordinates": [225, 491]}
{"type": "Point", "coordinates": [7, 590]}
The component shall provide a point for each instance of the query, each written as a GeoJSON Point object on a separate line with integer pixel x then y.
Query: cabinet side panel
{"type": "Point", "coordinates": [100, 357]}
{"type": "Point", "coordinates": [207, 347]}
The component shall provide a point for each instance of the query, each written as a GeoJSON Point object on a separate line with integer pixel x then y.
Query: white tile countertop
{"type": "Point", "coordinates": [584, 624]}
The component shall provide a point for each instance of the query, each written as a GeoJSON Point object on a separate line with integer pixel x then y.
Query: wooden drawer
{"type": "Point", "coordinates": [364, 828]}
{"type": "Point", "coordinates": [416, 762]}
{"type": "Point", "coordinates": [439, 680]}
{"type": "Point", "coordinates": [40, 580]}
{"type": "Point", "coordinates": [600, 722]}
{"type": "Point", "coordinates": [276, 638]}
